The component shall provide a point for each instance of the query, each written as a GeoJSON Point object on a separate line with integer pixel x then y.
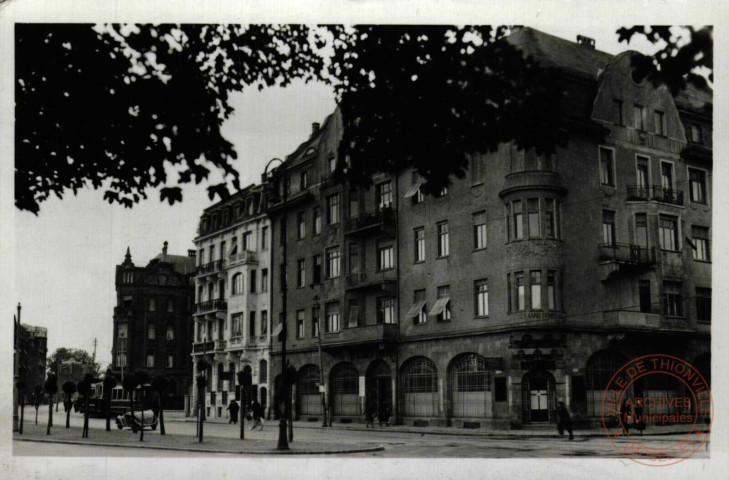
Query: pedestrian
{"type": "Point", "coordinates": [233, 408]}
{"type": "Point", "coordinates": [369, 417]}
{"type": "Point", "coordinates": [638, 422]}
{"type": "Point", "coordinates": [384, 415]}
{"type": "Point", "coordinates": [625, 419]}
{"type": "Point", "coordinates": [564, 422]}
{"type": "Point", "coordinates": [257, 414]}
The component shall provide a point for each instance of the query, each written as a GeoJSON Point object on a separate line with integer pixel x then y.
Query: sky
{"type": "Point", "coordinates": [65, 257]}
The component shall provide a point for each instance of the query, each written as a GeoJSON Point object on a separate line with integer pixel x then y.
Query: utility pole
{"type": "Point", "coordinates": [93, 357]}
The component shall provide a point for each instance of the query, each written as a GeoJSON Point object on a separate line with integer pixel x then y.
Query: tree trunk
{"type": "Point", "coordinates": [141, 426]}
{"type": "Point", "coordinates": [68, 417]}
{"type": "Point", "coordinates": [108, 414]}
{"type": "Point", "coordinates": [201, 414]}
{"type": "Point", "coordinates": [50, 416]}
{"type": "Point", "coordinates": [36, 415]}
{"type": "Point", "coordinates": [86, 416]}
{"type": "Point", "coordinates": [161, 416]}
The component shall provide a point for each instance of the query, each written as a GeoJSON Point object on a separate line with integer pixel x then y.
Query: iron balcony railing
{"type": "Point", "coordinates": [211, 305]}
{"type": "Point", "coordinates": [652, 193]}
{"type": "Point", "coordinates": [210, 267]}
{"type": "Point", "coordinates": [627, 253]}
{"type": "Point", "coordinates": [370, 220]}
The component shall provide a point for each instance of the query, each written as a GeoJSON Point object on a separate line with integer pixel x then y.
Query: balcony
{"type": "Point", "coordinates": [675, 323]}
{"type": "Point", "coordinates": [219, 345]}
{"type": "Point", "coordinates": [245, 257]}
{"type": "Point", "coordinates": [211, 306]}
{"type": "Point", "coordinates": [200, 347]}
{"type": "Point", "coordinates": [381, 221]}
{"type": "Point", "coordinates": [532, 179]}
{"type": "Point", "coordinates": [235, 342]}
{"type": "Point", "coordinates": [366, 334]}
{"type": "Point", "coordinates": [380, 281]}
{"type": "Point", "coordinates": [627, 253]}
{"type": "Point", "coordinates": [641, 193]}
{"type": "Point", "coordinates": [631, 319]}
{"type": "Point", "coordinates": [208, 268]}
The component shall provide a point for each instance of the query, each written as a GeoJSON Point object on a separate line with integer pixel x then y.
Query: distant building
{"type": "Point", "coordinates": [71, 370]}
{"type": "Point", "coordinates": [33, 348]}
{"type": "Point", "coordinates": [153, 320]}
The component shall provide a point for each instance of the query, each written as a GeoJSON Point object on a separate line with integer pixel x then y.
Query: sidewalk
{"type": "Point", "coordinates": [185, 443]}
{"type": "Point", "coordinates": [542, 430]}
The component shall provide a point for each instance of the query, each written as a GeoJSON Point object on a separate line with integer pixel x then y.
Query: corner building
{"type": "Point", "coordinates": [232, 306]}
{"type": "Point", "coordinates": [531, 280]}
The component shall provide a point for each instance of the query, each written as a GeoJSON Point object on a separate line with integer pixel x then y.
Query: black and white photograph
{"type": "Point", "coordinates": [305, 242]}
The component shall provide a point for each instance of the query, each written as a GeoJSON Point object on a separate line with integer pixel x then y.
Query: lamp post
{"type": "Point", "coordinates": [322, 385]}
{"type": "Point", "coordinates": [16, 367]}
{"type": "Point", "coordinates": [283, 443]}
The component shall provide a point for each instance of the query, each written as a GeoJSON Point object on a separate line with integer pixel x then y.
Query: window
{"type": "Point", "coordinates": [443, 240]}
{"type": "Point", "coordinates": [264, 322]}
{"type": "Point", "coordinates": [122, 330]}
{"type": "Point", "coordinates": [695, 136]}
{"type": "Point", "coordinates": [150, 332]}
{"type": "Point", "coordinates": [303, 180]}
{"type": "Point", "coordinates": [201, 257]}
{"type": "Point", "coordinates": [237, 284]}
{"type": "Point", "coordinates": [644, 296]}
{"type": "Point", "coordinates": [385, 260]}
{"type": "Point", "coordinates": [535, 284]}
{"type": "Point", "coordinates": [703, 305]}
{"type": "Point", "coordinates": [150, 361]}
{"type": "Point", "coordinates": [641, 229]}
{"type": "Point", "coordinates": [419, 235]}
{"type": "Point", "coordinates": [700, 238]}
{"type": "Point", "coordinates": [333, 257]}
{"type": "Point", "coordinates": [520, 304]}
{"type": "Point", "coordinates": [607, 167]}
{"type": "Point", "coordinates": [247, 243]}
{"type": "Point", "coordinates": [317, 221]}
{"type": "Point", "coordinates": [170, 334]}
{"type": "Point", "coordinates": [233, 246]}
{"type": "Point", "coordinates": [666, 176]}
{"type": "Point", "coordinates": [236, 328]}
{"type": "Point", "coordinates": [482, 298]}
{"type": "Point", "coordinates": [659, 122]}
{"type": "Point", "coordinates": [263, 376]}
{"type": "Point", "coordinates": [152, 304]}
{"type": "Point", "coordinates": [212, 253]}
{"type": "Point", "coordinates": [252, 281]}
{"type": "Point", "coordinates": [333, 209]}
{"type": "Point", "coordinates": [509, 305]}
{"type": "Point", "coordinates": [518, 220]}
{"type": "Point", "coordinates": [617, 112]}
{"type": "Point", "coordinates": [353, 313]}
{"type": "Point", "coordinates": [639, 117]}
{"type": "Point", "coordinates": [549, 218]}
{"type": "Point", "coordinates": [170, 361]}
{"type": "Point", "coordinates": [127, 301]}
{"type": "Point", "coordinates": [551, 290]}
{"type": "Point", "coordinates": [301, 225]}
{"type": "Point", "coordinates": [300, 324]}
{"type": "Point", "coordinates": [264, 238]}
{"type": "Point", "coordinates": [264, 280]}
{"type": "Point", "coordinates": [672, 299]}
{"type": "Point", "coordinates": [121, 359]}
{"type": "Point", "coordinates": [251, 324]}
{"type": "Point", "coordinates": [668, 232]}
{"type": "Point", "coordinates": [641, 166]}
{"type": "Point", "coordinates": [384, 195]}
{"type": "Point", "coordinates": [442, 307]}
{"type": "Point", "coordinates": [332, 160]}
{"type": "Point", "coordinates": [533, 212]}
{"type": "Point", "coordinates": [315, 321]}
{"type": "Point", "coordinates": [301, 272]}
{"type": "Point", "coordinates": [222, 250]}
{"type": "Point", "coordinates": [317, 269]}
{"type": "Point", "coordinates": [478, 169]}
{"type": "Point", "coordinates": [128, 277]}
{"type": "Point", "coordinates": [418, 310]}
{"type": "Point", "coordinates": [249, 206]}
{"type": "Point", "coordinates": [697, 185]}
{"type": "Point", "coordinates": [386, 310]}
{"type": "Point", "coordinates": [608, 227]}
{"type": "Point", "coordinates": [353, 204]}
{"type": "Point", "coordinates": [442, 192]}
{"type": "Point", "coordinates": [415, 191]}
{"type": "Point", "coordinates": [332, 313]}
{"type": "Point", "coordinates": [479, 230]}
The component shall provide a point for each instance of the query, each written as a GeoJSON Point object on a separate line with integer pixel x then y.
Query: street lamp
{"type": "Point", "coordinates": [322, 385]}
{"type": "Point", "coordinates": [283, 443]}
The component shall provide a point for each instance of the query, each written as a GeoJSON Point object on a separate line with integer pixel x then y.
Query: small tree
{"type": "Point", "coordinates": [109, 384]}
{"type": "Point", "coordinates": [22, 387]}
{"type": "Point", "coordinates": [83, 388]}
{"type": "Point", "coordinates": [88, 380]}
{"type": "Point", "coordinates": [129, 382]}
{"type": "Point", "coordinates": [37, 392]}
{"type": "Point", "coordinates": [160, 385]}
{"type": "Point", "coordinates": [142, 379]}
{"type": "Point", "coordinates": [51, 387]}
{"type": "Point", "coordinates": [69, 388]}
{"type": "Point", "coordinates": [244, 380]}
{"type": "Point", "coordinates": [201, 382]}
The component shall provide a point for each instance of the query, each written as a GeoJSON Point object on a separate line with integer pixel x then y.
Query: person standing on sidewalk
{"type": "Point", "coordinates": [369, 417]}
{"type": "Point", "coordinates": [233, 408]}
{"type": "Point", "coordinates": [257, 413]}
{"type": "Point", "coordinates": [564, 421]}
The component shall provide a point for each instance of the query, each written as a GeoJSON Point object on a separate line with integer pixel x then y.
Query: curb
{"type": "Point", "coordinates": [203, 450]}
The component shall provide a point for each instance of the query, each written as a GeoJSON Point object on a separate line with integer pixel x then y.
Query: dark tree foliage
{"type": "Point", "coordinates": [84, 388]}
{"type": "Point", "coordinates": [684, 54]}
{"type": "Point", "coordinates": [61, 354]}
{"type": "Point", "coordinates": [69, 388]}
{"type": "Point", "coordinates": [129, 382]}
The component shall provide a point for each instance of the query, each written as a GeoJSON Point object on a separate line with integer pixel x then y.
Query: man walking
{"type": "Point", "coordinates": [564, 422]}
{"type": "Point", "coordinates": [233, 408]}
{"type": "Point", "coordinates": [257, 413]}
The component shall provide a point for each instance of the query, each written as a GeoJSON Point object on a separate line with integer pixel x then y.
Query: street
{"type": "Point", "coordinates": [396, 444]}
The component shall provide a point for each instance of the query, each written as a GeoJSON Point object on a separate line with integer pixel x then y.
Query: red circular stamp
{"type": "Point", "coordinates": [657, 410]}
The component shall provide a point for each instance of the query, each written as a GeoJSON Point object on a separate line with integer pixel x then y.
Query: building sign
{"type": "Point", "coordinates": [537, 315]}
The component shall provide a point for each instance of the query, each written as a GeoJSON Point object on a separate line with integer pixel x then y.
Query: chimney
{"type": "Point", "coordinates": [164, 251]}
{"type": "Point", "coordinates": [586, 42]}
{"type": "Point", "coordinates": [315, 128]}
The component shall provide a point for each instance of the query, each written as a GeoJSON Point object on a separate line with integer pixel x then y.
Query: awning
{"type": "Point", "coordinates": [439, 306]}
{"type": "Point", "coordinates": [413, 190]}
{"type": "Point", "coordinates": [415, 309]}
